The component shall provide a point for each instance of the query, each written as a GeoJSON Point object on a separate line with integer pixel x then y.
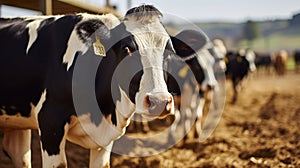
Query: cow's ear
{"type": "Point", "coordinates": [189, 41]}
{"type": "Point", "coordinates": [88, 29]}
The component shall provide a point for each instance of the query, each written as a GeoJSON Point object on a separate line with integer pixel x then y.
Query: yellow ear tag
{"type": "Point", "coordinates": [183, 71]}
{"type": "Point", "coordinates": [99, 48]}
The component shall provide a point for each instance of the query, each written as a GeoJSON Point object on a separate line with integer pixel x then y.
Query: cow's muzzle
{"type": "Point", "coordinates": [159, 105]}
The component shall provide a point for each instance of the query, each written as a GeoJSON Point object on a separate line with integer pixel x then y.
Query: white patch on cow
{"type": "Point", "coordinates": [250, 56]}
{"type": "Point", "coordinates": [58, 160]}
{"type": "Point", "coordinates": [206, 61]}
{"type": "Point", "coordinates": [151, 38]}
{"type": "Point", "coordinates": [75, 44]}
{"type": "Point", "coordinates": [39, 106]}
{"type": "Point", "coordinates": [18, 122]}
{"type": "Point", "coordinates": [199, 115]}
{"type": "Point", "coordinates": [100, 157]}
{"type": "Point", "coordinates": [220, 51]}
{"type": "Point", "coordinates": [42, 17]}
{"type": "Point", "coordinates": [33, 28]}
{"type": "Point", "coordinates": [82, 129]}
{"type": "Point", "coordinates": [53, 160]}
{"type": "Point", "coordinates": [32, 31]}
{"type": "Point", "coordinates": [27, 158]}
{"type": "Point", "coordinates": [220, 48]}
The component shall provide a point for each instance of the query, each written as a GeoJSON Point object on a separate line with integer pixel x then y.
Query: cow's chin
{"type": "Point", "coordinates": [152, 115]}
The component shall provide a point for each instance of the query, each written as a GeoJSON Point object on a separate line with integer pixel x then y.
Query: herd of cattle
{"type": "Point", "coordinates": [58, 77]}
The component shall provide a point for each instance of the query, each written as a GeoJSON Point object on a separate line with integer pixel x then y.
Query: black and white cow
{"type": "Point", "coordinates": [192, 74]}
{"type": "Point", "coordinates": [39, 58]}
{"type": "Point", "coordinates": [238, 65]}
{"type": "Point", "coordinates": [196, 77]}
{"type": "Point", "coordinates": [191, 81]}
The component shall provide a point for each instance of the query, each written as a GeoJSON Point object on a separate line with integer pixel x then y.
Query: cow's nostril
{"type": "Point", "coordinates": [147, 102]}
{"type": "Point", "coordinates": [210, 87]}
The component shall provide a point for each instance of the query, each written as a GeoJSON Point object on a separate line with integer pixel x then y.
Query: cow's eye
{"type": "Point", "coordinates": [127, 50]}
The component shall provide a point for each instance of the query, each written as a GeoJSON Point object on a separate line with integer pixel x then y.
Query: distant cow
{"type": "Point", "coordinates": [238, 66]}
{"type": "Point", "coordinates": [196, 82]}
{"type": "Point", "coordinates": [297, 60]}
{"type": "Point", "coordinates": [264, 62]}
{"type": "Point", "coordinates": [55, 68]}
{"type": "Point", "coordinates": [219, 51]}
{"type": "Point", "coordinates": [280, 59]}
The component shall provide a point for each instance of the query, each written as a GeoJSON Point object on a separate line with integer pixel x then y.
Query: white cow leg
{"type": "Point", "coordinates": [187, 122]}
{"type": "Point", "coordinates": [17, 145]}
{"type": "Point", "coordinates": [199, 117]}
{"type": "Point", "coordinates": [100, 157]}
{"type": "Point", "coordinates": [55, 160]}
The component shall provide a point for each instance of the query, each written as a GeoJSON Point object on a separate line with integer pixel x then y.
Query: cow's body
{"type": "Point", "coordinates": [195, 82]}
{"type": "Point", "coordinates": [297, 60]}
{"type": "Point", "coordinates": [238, 66]}
{"type": "Point", "coordinates": [280, 59]}
{"type": "Point", "coordinates": [40, 60]}
{"type": "Point", "coordinates": [36, 65]}
{"type": "Point", "coordinates": [264, 63]}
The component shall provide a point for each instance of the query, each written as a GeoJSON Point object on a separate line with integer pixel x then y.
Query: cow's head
{"type": "Point", "coordinates": [151, 39]}
{"type": "Point", "coordinates": [195, 48]}
{"type": "Point", "coordinates": [249, 56]}
{"type": "Point", "coordinates": [219, 51]}
{"type": "Point", "coordinates": [142, 37]}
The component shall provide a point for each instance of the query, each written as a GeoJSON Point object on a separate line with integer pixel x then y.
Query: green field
{"type": "Point", "coordinates": [273, 35]}
{"type": "Point", "coordinates": [273, 43]}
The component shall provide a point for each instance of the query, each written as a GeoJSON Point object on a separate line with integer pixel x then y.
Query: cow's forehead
{"type": "Point", "coordinates": [148, 34]}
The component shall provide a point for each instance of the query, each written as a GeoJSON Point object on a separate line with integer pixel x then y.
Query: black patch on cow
{"type": "Point", "coordinates": [134, 85]}
{"type": "Point", "coordinates": [237, 66]}
{"type": "Point", "coordinates": [120, 38]}
{"type": "Point", "coordinates": [195, 40]}
{"type": "Point", "coordinates": [27, 75]}
{"type": "Point", "coordinates": [263, 60]}
{"type": "Point", "coordinates": [13, 65]}
{"type": "Point", "coordinates": [173, 85]}
{"type": "Point", "coordinates": [53, 118]}
{"type": "Point", "coordinates": [184, 50]}
{"type": "Point", "coordinates": [297, 56]}
{"type": "Point", "coordinates": [87, 28]}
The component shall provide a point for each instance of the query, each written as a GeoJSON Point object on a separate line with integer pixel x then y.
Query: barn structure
{"type": "Point", "coordinates": [53, 7]}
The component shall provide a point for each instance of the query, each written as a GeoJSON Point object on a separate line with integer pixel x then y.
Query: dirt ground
{"type": "Point", "coordinates": [260, 130]}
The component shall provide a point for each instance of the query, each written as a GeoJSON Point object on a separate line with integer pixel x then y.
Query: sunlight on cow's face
{"type": "Point", "coordinates": [152, 98]}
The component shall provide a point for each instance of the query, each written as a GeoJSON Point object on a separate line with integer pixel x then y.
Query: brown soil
{"type": "Point", "coordinates": [260, 130]}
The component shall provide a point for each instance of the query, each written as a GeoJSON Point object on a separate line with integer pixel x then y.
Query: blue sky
{"type": "Point", "coordinates": [233, 10]}
{"type": "Point", "coordinates": [205, 10]}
